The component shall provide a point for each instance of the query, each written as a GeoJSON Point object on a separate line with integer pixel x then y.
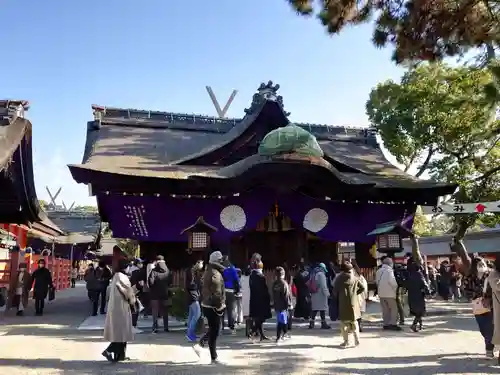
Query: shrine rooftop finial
{"type": "Point", "coordinates": [266, 92]}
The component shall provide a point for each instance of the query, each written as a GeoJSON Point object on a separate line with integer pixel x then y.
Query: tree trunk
{"type": "Point", "coordinates": [458, 245]}
{"type": "Point", "coordinates": [415, 251]}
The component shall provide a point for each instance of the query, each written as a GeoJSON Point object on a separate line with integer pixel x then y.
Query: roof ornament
{"type": "Point", "coordinates": [10, 110]}
{"type": "Point", "coordinates": [290, 139]}
{"type": "Point", "coordinates": [266, 92]}
{"type": "Point", "coordinates": [98, 112]}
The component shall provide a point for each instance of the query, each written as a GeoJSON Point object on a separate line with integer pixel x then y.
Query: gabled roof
{"type": "Point", "coordinates": [164, 145]}
{"type": "Point", "coordinates": [18, 200]}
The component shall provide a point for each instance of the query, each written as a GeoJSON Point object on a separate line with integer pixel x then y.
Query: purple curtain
{"type": "Point", "coordinates": [163, 218]}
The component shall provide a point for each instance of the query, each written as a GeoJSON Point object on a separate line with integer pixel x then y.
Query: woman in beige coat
{"type": "Point", "coordinates": [494, 281]}
{"type": "Point", "coordinates": [118, 327]}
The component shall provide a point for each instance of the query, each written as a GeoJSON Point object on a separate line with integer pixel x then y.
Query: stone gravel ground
{"type": "Point", "coordinates": [52, 345]}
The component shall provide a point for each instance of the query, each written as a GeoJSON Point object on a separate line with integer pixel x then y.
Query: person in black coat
{"type": "Point", "coordinates": [303, 301]}
{"type": "Point", "coordinates": [137, 280]}
{"type": "Point", "coordinates": [282, 298]}
{"type": "Point", "coordinates": [104, 276]}
{"type": "Point", "coordinates": [260, 299]}
{"type": "Point", "coordinates": [42, 279]}
{"type": "Point", "coordinates": [417, 290]}
{"type": "Point", "coordinates": [160, 280]}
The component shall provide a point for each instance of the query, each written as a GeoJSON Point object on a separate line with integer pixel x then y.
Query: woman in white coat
{"type": "Point", "coordinates": [118, 327]}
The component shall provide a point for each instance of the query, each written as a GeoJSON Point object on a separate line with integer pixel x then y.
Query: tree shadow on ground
{"type": "Point", "coordinates": [433, 326]}
{"type": "Point", "coordinates": [461, 363]}
{"type": "Point", "coordinates": [272, 363]}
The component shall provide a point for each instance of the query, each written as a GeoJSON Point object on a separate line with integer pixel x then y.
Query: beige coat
{"type": "Point", "coordinates": [494, 281]}
{"type": "Point", "coordinates": [118, 326]}
{"type": "Point", "coordinates": [363, 296]}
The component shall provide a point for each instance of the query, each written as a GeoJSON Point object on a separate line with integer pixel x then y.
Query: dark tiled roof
{"type": "Point", "coordinates": [16, 163]}
{"type": "Point", "coordinates": [153, 144]}
{"type": "Point", "coordinates": [76, 222]}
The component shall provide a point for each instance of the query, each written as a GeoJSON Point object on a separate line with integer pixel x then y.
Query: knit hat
{"type": "Point", "coordinates": [215, 257]}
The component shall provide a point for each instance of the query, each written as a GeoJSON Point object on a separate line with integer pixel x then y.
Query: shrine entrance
{"type": "Point", "coordinates": [281, 243]}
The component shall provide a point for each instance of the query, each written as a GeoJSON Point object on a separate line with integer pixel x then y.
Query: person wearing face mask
{"type": "Point", "coordinates": [21, 289]}
{"type": "Point", "coordinates": [42, 279]}
{"type": "Point", "coordinates": [480, 292]}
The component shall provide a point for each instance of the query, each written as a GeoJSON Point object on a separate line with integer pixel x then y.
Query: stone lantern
{"type": "Point", "coordinates": [389, 237]}
{"type": "Point", "coordinates": [199, 235]}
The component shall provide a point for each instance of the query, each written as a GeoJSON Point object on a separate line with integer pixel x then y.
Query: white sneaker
{"type": "Point", "coordinates": [136, 330]}
{"type": "Point", "coordinates": [216, 361]}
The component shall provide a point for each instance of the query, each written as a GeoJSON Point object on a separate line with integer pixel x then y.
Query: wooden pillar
{"type": "Point", "coordinates": [15, 259]}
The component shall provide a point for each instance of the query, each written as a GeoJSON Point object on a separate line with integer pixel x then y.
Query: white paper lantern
{"type": "Point", "coordinates": [315, 220]}
{"type": "Point", "coordinates": [233, 218]}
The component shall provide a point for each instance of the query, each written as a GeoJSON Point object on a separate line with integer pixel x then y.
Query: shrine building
{"type": "Point", "coordinates": [184, 184]}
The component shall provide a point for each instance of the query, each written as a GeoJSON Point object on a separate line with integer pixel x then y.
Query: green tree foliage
{"type": "Point", "coordinates": [417, 29]}
{"type": "Point", "coordinates": [438, 120]}
{"type": "Point", "coordinates": [128, 246]}
{"type": "Point", "coordinates": [424, 225]}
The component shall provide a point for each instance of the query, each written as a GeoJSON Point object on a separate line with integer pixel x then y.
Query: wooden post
{"type": "Point", "coordinates": [13, 267]}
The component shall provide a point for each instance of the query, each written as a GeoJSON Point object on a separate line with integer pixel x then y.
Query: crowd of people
{"type": "Point", "coordinates": [462, 279]}
{"type": "Point", "coordinates": [219, 290]}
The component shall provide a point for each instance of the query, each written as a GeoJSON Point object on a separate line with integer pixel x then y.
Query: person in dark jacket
{"type": "Point", "coordinates": [260, 300]}
{"type": "Point", "coordinates": [282, 298]}
{"type": "Point", "coordinates": [42, 280]}
{"type": "Point", "coordinates": [193, 288]}
{"type": "Point", "coordinates": [303, 305]}
{"type": "Point", "coordinates": [232, 286]}
{"type": "Point", "coordinates": [93, 288]}
{"type": "Point", "coordinates": [213, 304]}
{"type": "Point", "coordinates": [417, 290]}
{"type": "Point", "coordinates": [160, 280]}
{"type": "Point", "coordinates": [444, 280]}
{"type": "Point", "coordinates": [137, 280]}
{"type": "Point", "coordinates": [104, 275]}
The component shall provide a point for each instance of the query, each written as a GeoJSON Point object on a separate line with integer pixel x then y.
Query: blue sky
{"type": "Point", "coordinates": [63, 56]}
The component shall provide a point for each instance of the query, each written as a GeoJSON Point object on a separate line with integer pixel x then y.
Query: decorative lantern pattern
{"type": "Point", "coordinates": [389, 238]}
{"type": "Point", "coordinates": [199, 240]}
{"type": "Point", "coordinates": [199, 235]}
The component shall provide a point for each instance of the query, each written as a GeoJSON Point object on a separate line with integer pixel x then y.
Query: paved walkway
{"type": "Point", "coordinates": [51, 345]}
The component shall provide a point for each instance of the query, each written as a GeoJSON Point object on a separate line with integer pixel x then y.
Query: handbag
{"type": "Point", "coordinates": [52, 294]}
{"type": "Point", "coordinates": [481, 305]}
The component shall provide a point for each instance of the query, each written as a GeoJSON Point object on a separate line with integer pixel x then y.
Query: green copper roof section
{"type": "Point", "coordinates": [290, 139]}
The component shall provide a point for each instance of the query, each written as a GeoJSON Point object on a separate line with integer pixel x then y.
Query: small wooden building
{"type": "Point", "coordinates": [485, 243]}
{"type": "Point", "coordinates": [284, 190]}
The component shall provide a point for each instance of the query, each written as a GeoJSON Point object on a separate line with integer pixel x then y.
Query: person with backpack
{"type": "Point", "coordinates": [318, 287]}
{"type": "Point", "coordinates": [160, 281]}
